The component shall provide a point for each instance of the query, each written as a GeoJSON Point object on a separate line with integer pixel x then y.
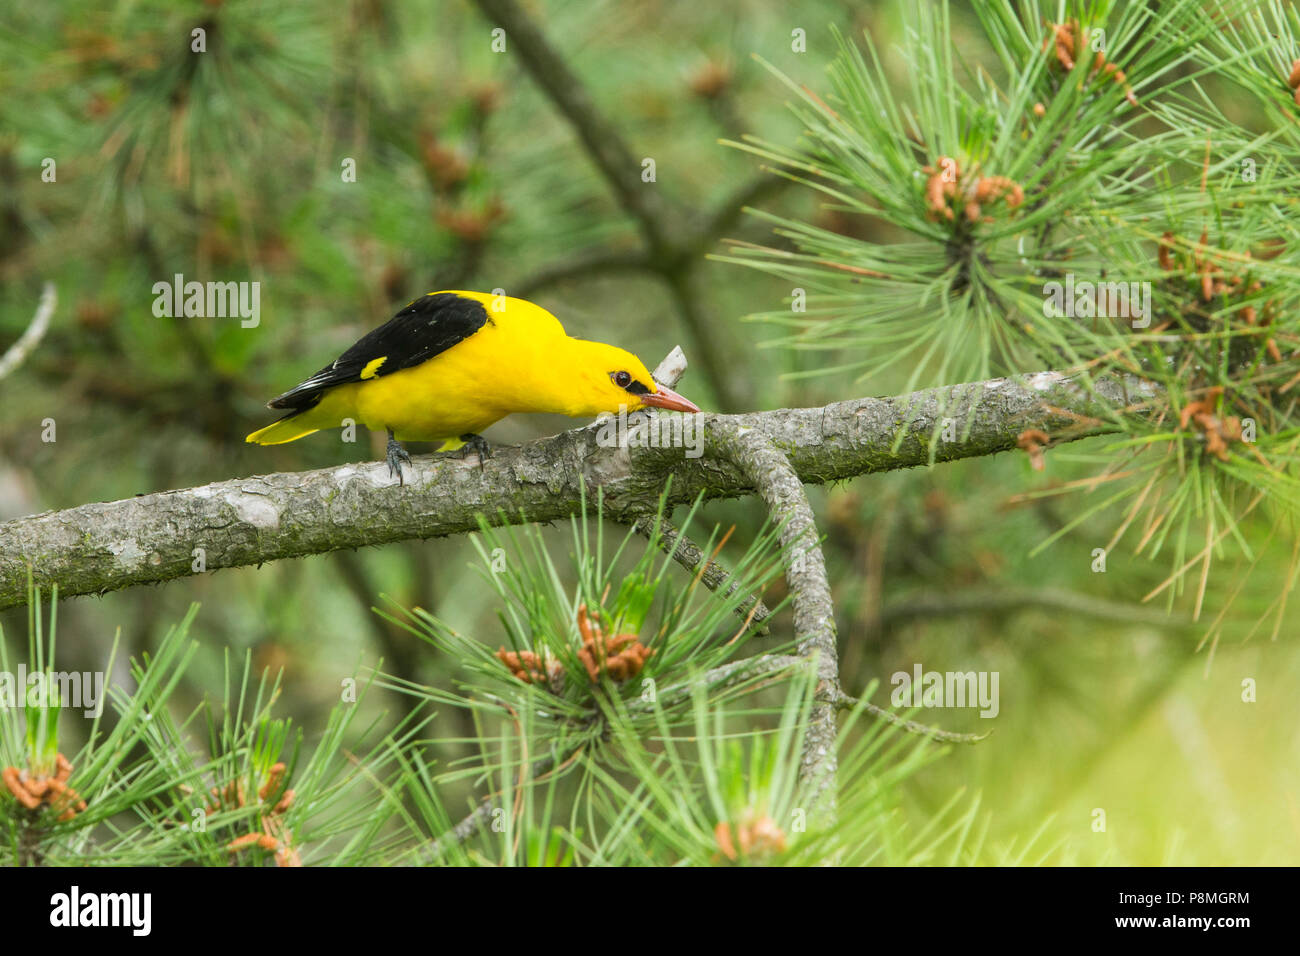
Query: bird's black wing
{"type": "Point", "coordinates": [431, 324]}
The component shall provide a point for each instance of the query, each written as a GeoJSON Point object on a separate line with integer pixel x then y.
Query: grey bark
{"type": "Point", "coordinates": [152, 538]}
{"type": "Point", "coordinates": [805, 571]}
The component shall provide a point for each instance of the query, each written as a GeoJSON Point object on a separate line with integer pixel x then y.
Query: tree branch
{"type": "Point", "coordinates": [246, 521]}
{"type": "Point", "coordinates": [17, 353]}
{"type": "Point", "coordinates": [616, 162]}
{"type": "Point", "coordinates": [805, 570]}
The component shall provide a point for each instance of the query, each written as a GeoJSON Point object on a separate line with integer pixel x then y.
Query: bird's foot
{"type": "Point", "coordinates": [396, 455]}
{"type": "Point", "coordinates": [477, 444]}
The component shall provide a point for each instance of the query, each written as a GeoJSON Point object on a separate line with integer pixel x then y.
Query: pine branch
{"type": "Point", "coordinates": [148, 539]}
{"type": "Point", "coordinates": [783, 492]}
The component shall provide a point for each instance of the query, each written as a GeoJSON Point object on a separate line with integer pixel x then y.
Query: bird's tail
{"type": "Point", "coordinates": [290, 428]}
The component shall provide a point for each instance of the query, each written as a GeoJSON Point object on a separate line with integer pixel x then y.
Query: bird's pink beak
{"type": "Point", "coordinates": [666, 398]}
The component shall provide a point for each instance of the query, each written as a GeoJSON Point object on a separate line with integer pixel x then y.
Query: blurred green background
{"type": "Point", "coordinates": [227, 166]}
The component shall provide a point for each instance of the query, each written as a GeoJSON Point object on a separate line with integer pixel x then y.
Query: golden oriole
{"type": "Point", "coordinates": [452, 363]}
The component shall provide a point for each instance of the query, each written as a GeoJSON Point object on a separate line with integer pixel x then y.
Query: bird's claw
{"type": "Point", "coordinates": [396, 455]}
{"type": "Point", "coordinates": [477, 444]}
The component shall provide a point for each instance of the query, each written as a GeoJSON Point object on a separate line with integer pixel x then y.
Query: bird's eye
{"type": "Point", "coordinates": [621, 379]}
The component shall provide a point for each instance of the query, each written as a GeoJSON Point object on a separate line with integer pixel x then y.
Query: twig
{"type": "Point", "coordinates": [844, 702]}
{"type": "Point", "coordinates": [714, 576]}
{"type": "Point", "coordinates": [17, 353]}
{"type": "Point", "coordinates": [728, 675]}
{"type": "Point", "coordinates": [480, 815]}
{"type": "Point", "coordinates": [671, 368]}
{"type": "Point", "coordinates": [731, 388]}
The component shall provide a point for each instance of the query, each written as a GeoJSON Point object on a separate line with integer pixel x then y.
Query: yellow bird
{"type": "Point", "coordinates": [452, 363]}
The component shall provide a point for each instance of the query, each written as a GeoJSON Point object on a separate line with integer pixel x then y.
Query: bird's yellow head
{"type": "Point", "coordinates": [605, 378]}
